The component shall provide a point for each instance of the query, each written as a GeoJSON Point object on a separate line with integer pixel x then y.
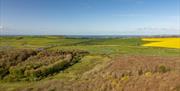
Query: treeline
{"type": "Point", "coordinates": [33, 65]}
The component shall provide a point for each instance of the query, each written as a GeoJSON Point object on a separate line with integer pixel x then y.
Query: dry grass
{"type": "Point", "coordinates": [125, 73]}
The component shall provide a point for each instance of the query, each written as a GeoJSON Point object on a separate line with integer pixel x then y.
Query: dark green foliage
{"type": "Point", "coordinates": [163, 69]}
{"type": "Point", "coordinates": [9, 58]}
{"type": "Point", "coordinates": [17, 71]}
{"type": "Point", "coordinates": [31, 65]}
{"type": "Point", "coordinates": [45, 70]}
{"type": "Point", "coordinates": [3, 72]}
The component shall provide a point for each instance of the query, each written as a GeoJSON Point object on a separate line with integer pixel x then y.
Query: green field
{"type": "Point", "coordinates": [109, 46]}
{"type": "Point", "coordinates": [101, 52]}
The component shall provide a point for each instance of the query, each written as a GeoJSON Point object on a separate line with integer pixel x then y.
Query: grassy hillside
{"type": "Point", "coordinates": [57, 63]}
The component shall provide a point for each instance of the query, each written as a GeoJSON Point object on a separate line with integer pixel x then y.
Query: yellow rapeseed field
{"type": "Point", "coordinates": [163, 42]}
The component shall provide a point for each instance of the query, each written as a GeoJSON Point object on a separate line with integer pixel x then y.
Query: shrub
{"type": "Point", "coordinates": [3, 72]}
{"type": "Point", "coordinates": [18, 72]}
{"type": "Point", "coordinates": [32, 65]}
{"type": "Point", "coordinates": [163, 69]}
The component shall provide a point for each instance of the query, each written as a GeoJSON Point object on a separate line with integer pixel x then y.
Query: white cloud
{"type": "Point", "coordinates": [1, 28]}
{"type": "Point", "coordinates": [158, 30]}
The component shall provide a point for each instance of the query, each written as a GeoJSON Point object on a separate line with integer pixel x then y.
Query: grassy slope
{"type": "Point", "coordinates": [36, 42]}
{"type": "Point", "coordinates": [100, 49]}
{"type": "Point", "coordinates": [74, 72]}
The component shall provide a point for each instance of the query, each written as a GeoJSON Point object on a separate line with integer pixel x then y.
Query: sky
{"type": "Point", "coordinates": [89, 17]}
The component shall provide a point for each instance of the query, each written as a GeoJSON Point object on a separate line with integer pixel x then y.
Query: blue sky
{"type": "Point", "coordinates": [89, 17]}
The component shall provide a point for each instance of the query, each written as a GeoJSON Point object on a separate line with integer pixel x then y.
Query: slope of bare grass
{"type": "Point", "coordinates": [125, 73]}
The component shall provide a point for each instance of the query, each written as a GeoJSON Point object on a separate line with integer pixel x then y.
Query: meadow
{"type": "Point", "coordinates": [58, 63]}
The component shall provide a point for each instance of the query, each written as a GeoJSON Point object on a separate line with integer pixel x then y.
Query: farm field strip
{"type": "Point", "coordinates": [163, 42]}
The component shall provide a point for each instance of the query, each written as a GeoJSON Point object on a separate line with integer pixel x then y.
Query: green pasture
{"type": "Point", "coordinates": [105, 46]}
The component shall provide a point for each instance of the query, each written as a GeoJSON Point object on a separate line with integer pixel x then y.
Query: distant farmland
{"type": "Point", "coordinates": [163, 42]}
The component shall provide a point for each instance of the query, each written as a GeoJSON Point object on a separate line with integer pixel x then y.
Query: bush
{"type": "Point", "coordinates": [32, 65]}
{"type": "Point", "coordinates": [47, 70]}
{"type": "Point", "coordinates": [18, 72]}
{"type": "Point", "coordinates": [163, 69]}
{"type": "Point", "coordinates": [3, 72]}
